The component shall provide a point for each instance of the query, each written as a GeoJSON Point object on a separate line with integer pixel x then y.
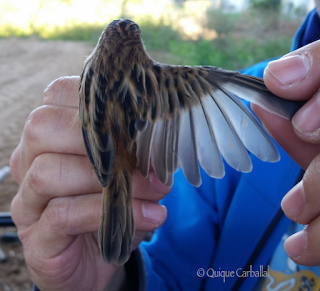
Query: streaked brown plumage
{"type": "Point", "coordinates": [134, 110]}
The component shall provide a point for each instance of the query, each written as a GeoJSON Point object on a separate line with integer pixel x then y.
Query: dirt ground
{"type": "Point", "coordinates": [27, 66]}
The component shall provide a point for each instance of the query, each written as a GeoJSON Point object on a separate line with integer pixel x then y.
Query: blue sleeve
{"type": "Point", "coordinates": [201, 225]}
{"type": "Point", "coordinates": [258, 69]}
{"type": "Point", "coordinates": [186, 241]}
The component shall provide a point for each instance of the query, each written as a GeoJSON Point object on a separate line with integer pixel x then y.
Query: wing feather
{"type": "Point", "coordinates": [229, 143]}
{"type": "Point", "coordinates": [187, 148]}
{"type": "Point", "coordinates": [144, 142]}
{"type": "Point", "coordinates": [207, 148]}
{"type": "Point", "coordinates": [253, 89]}
{"type": "Point", "coordinates": [99, 146]}
{"type": "Point", "coordinates": [160, 150]}
{"type": "Point", "coordinates": [173, 143]}
{"type": "Point", "coordinates": [102, 159]}
{"type": "Point", "coordinates": [249, 130]}
{"type": "Point", "coordinates": [203, 120]}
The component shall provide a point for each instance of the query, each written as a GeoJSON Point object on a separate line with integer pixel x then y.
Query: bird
{"type": "Point", "coordinates": [136, 113]}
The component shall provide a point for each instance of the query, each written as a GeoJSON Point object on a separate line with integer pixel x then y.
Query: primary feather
{"type": "Point", "coordinates": [134, 110]}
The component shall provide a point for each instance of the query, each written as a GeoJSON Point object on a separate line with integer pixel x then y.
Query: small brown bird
{"type": "Point", "coordinates": [134, 110]}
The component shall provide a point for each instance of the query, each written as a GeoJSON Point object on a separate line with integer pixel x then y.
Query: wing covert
{"type": "Point", "coordinates": [201, 121]}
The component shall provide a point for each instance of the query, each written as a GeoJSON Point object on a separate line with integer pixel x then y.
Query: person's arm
{"type": "Point", "coordinates": [57, 209]}
{"type": "Point", "coordinates": [296, 76]}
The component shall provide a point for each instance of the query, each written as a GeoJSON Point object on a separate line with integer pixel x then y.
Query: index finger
{"type": "Point", "coordinates": [282, 131]}
{"type": "Point", "coordinates": [62, 92]}
{"type": "Point", "coordinates": [50, 128]}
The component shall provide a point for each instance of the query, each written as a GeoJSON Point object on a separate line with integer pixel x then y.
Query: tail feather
{"type": "Point", "coordinates": [117, 226]}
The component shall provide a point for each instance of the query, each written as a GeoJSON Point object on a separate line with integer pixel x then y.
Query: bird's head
{"type": "Point", "coordinates": [120, 45]}
{"type": "Point", "coordinates": [121, 33]}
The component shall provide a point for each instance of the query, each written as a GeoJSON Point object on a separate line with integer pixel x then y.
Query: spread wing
{"type": "Point", "coordinates": [196, 117]}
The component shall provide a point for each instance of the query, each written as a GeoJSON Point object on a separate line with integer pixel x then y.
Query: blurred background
{"type": "Point", "coordinates": [227, 33]}
{"type": "Point", "coordinates": [41, 40]}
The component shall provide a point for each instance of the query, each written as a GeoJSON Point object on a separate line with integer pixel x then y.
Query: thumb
{"type": "Point", "coordinates": [296, 75]}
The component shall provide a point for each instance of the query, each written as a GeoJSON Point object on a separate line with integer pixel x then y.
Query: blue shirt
{"type": "Point", "coordinates": [225, 227]}
{"type": "Point", "coordinates": [228, 234]}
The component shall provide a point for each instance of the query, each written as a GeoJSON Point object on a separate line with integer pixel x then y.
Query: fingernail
{"type": "Point", "coordinates": [154, 213]}
{"type": "Point", "coordinates": [293, 203]}
{"type": "Point", "coordinates": [157, 186]}
{"type": "Point", "coordinates": [290, 70]}
{"type": "Point", "coordinates": [307, 120]}
{"type": "Point", "coordinates": [296, 244]}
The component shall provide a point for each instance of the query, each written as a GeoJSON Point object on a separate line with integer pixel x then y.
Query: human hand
{"type": "Point", "coordinates": [58, 206]}
{"type": "Point", "coordinates": [296, 76]}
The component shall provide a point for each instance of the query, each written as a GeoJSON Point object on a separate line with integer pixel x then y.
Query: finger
{"type": "Point", "coordinates": [62, 92]}
{"type": "Point", "coordinates": [51, 176]}
{"type": "Point", "coordinates": [303, 246]}
{"type": "Point", "coordinates": [301, 204]}
{"type": "Point", "coordinates": [15, 164]}
{"type": "Point", "coordinates": [282, 131]}
{"type": "Point", "coordinates": [148, 215]}
{"type": "Point", "coordinates": [157, 186]}
{"type": "Point", "coordinates": [62, 175]}
{"type": "Point", "coordinates": [67, 217]}
{"type": "Point", "coordinates": [295, 76]}
{"type": "Point", "coordinates": [306, 122]}
{"type": "Point", "coordinates": [62, 221]}
{"type": "Point", "coordinates": [150, 189]}
{"type": "Point", "coordinates": [49, 129]}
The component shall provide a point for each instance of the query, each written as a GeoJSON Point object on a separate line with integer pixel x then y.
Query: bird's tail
{"type": "Point", "coordinates": [116, 225]}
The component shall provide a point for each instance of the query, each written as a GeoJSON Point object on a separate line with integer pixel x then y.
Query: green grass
{"type": "Point", "coordinates": [232, 50]}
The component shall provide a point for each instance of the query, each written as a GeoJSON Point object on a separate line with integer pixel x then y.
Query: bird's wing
{"type": "Point", "coordinates": [195, 115]}
{"type": "Point", "coordinates": [98, 144]}
{"type": "Point", "coordinates": [252, 89]}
